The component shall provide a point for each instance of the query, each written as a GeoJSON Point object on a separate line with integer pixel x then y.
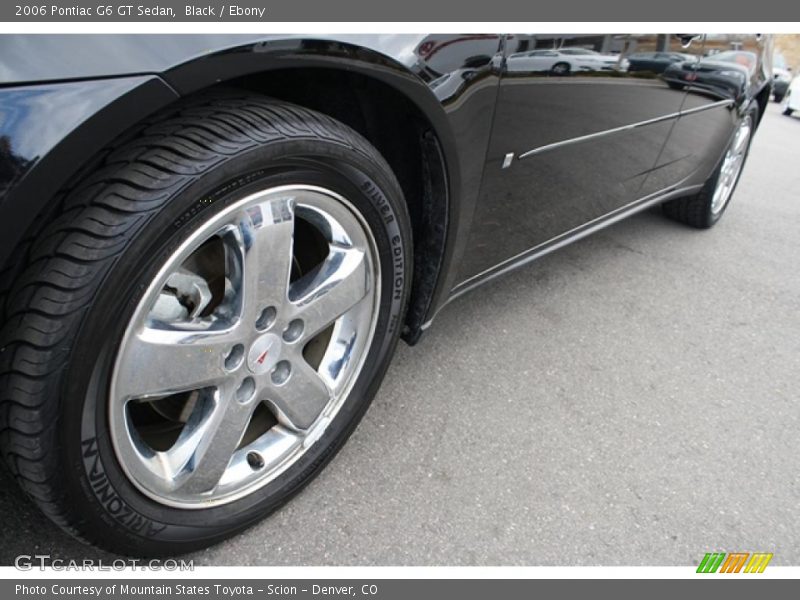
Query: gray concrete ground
{"type": "Point", "coordinates": [629, 400]}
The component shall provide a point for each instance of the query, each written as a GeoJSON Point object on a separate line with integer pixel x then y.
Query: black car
{"type": "Point", "coordinates": [780, 84]}
{"type": "Point", "coordinates": [724, 75]}
{"type": "Point", "coordinates": [211, 245]}
{"type": "Point", "coordinates": [655, 62]}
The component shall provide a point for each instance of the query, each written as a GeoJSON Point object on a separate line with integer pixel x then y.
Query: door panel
{"type": "Point", "coordinates": [668, 170]}
{"type": "Point", "coordinates": [728, 65]}
{"type": "Point", "coordinates": [583, 141]}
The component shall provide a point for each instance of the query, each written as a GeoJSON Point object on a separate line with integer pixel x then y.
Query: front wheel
{"type": "Point", "coordinates": [705, 208]}
{"type": "Point", "coordinates": [203, 325]}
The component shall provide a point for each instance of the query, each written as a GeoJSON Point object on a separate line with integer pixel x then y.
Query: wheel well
{"type": "Point", "coordinates": [389, 120]}
{"type": "Point", "coordinates": [405, 138]}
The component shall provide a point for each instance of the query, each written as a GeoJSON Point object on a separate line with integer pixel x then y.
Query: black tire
{"type": "Point", "coordinates": [561, 68]}
{"type": "Point", "coordinates": [788, 111]}
{"type": "Point", "coordinates": [66, 310]}
{"type": "Point", "coordinates": [778, 98]}
{"type": "Point", "coordinates": [675, 86]}
{"type": "Point", "coordinates": [696, 210]}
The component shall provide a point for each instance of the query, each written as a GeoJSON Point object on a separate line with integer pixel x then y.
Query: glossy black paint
{"type": "Point", "coordinates": [725, 75]}
{"type": "Point", "coordinates": [602, 139]}
{"type": "Point", "coordinates": [655, 62]}
{"type": "Point", "coordinates": [560, 187]}
{"type": "Point", "coordinates": [700, 135]}
{"type": "Point", "coordinates": [598, 143]}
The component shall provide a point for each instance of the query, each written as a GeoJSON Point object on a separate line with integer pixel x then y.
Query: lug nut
{"type": "Point", "coordinates": [281, 372]}
{"type": "Point", "coordinates": [246, 390]}
{"type": "Point", "coordinates": [266, 319]}
{"type": "Point", "coordinates": [293, 331]}
{"type": "Point", "coordinates": [234, 358]}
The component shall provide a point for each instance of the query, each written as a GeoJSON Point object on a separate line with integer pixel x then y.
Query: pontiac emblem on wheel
{"type": "Point", "coordinates": [264, 353]}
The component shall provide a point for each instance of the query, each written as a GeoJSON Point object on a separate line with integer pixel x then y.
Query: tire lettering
{"type": "Point", "coordinates": [399, 267]}
{"type": "Point", "coordinates": [380, 201]}
{"type": "Point", "coordinates": [105, 493]}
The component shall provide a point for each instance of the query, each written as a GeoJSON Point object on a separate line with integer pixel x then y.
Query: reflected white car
{"type": "Point", "coordinates": [791, 101]}
{"type": "Point", "coordinates": [565, 61]}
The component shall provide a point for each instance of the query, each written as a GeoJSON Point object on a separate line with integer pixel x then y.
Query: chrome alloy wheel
{"type": "Point", "coordinates": [732, 166]}
{"type": "Point", "coordinates": [244, 347]}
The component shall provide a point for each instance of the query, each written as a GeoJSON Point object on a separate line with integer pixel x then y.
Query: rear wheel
{"type": "Point", "coordinates": [203, 325]}
{"type": "Point", "coordinates": [705, 208]}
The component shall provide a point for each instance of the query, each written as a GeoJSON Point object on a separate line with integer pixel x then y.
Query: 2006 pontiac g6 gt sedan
{"type": "Point", "coordinates": [211, 245]}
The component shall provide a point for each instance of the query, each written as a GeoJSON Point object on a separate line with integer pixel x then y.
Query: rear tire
{"type": "Point", "coordinates": [788, 111]}
{"type": "Point", "coordinates": [70, 311]}
{"type": "Point", "coordinates": [704, 209]}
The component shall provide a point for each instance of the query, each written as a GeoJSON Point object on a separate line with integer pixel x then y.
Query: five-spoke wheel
{"type": "Point", "coordinates": [202, 326]}
{"type": "Point", "coordinates": [242, 347]}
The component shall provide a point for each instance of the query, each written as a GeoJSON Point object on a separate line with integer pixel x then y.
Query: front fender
{"type": "Point", "coordinates": [48, 132]}
{"type": "Point", "coordinates": [122, 79]}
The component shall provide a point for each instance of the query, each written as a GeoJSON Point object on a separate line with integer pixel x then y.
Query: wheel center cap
{"type": "Point", "coordinates": [264, 353]}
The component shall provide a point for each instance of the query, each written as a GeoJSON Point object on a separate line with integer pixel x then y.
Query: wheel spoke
{"type": "Point", "coordinates": [302, 398]}
{"type": "Point", "coordinates": [325, 294]}
{"type": "Point", "coordinates": [204, 455]}
{"type": "Point", "coordinates": [731, 168]}
{"type": "Point", "coordinates": [741, 139]}
{"type": "Point", "coordinates": [155, 362]}
{"type": "Point", "coordinates": [266, 232]}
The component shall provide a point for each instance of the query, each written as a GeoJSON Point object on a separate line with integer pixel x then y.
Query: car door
{"type": "Point", "coordinates": [726, 64]}
{"type": "Point", "coordinates": [566, 151]}
{"type": "Point", "coordinates": [676, 157]}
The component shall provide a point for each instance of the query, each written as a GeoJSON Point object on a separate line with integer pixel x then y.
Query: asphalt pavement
{"type": "Point", "coordinates": [629, 400]}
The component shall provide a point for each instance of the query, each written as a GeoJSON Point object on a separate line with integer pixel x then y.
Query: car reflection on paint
{"type": "Point", "coordinates": [655, 62]}
{"type": "Point", "coordinates": [723, 75]}
{"type": "Point", "coordinates": [781, 78]}
{"type": "Point", "coordinates": [450, 84]}
{"type": "Point", "coordinates": [564, 61]}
